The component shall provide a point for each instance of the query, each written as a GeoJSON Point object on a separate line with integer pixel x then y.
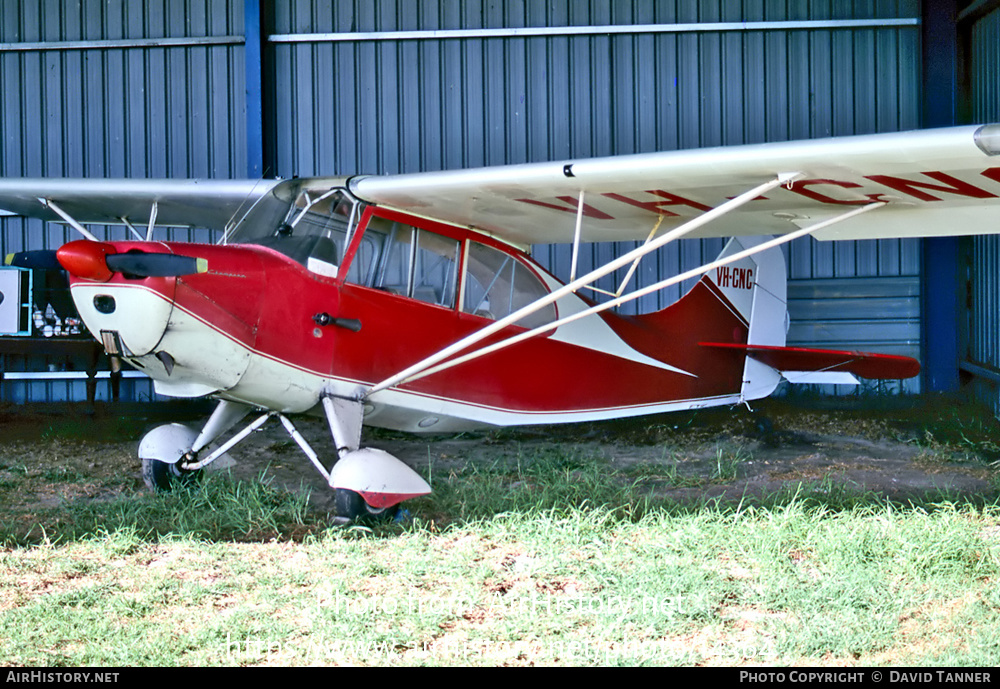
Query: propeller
{"type": "Point", "coordinates": [98, 261]}
{"type": "Point", "coordinates": [41, 259]}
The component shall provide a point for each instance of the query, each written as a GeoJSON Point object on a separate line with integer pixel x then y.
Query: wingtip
{"type": "Point", "coordinates": [987, 138]}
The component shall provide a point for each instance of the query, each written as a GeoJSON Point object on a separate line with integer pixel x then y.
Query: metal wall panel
{"type": "Point", "coordinates": [115, 88]}
{"type": "Point", "coordinates": [384, 105]}
{"type": "Point", "coordinates": [983, 341]}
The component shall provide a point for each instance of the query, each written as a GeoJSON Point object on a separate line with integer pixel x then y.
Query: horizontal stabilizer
{"type": "Point", "coordinates": [798, 359]}
{"type": "Point", "coordinates": [820, 377]}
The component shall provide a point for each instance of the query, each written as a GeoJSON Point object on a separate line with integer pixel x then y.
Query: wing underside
{"type": "Point", "coordinates": [934, 182]}
{"type": "Point", "coordinates": [931, 182]}
{"type": "Point", "coordinates": [182, 203]}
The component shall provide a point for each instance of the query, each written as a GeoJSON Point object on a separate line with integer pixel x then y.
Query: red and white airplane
{"type": "Point", "coordinates": [409, 301]}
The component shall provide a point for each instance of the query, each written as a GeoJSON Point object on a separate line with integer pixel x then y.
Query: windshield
{"type": "Point", "coordinates": [313, 230]}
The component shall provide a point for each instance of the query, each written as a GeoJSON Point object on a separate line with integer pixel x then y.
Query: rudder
{"type": "Point", "coordinates": [756, 288]}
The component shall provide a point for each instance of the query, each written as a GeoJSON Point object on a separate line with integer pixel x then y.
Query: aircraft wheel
{"type": "Point", "coordinates": [163, 477]}
{"type": "Point", "coordinates": [351, 507]}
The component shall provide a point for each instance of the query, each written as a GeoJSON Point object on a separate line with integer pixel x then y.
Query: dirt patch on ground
{"type": "Point", "coordinates": [916, 451]}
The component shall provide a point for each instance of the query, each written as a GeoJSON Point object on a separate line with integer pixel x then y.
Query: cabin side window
{"type": "Point", "coordinates": [435, 269]}
{"type": "Point", "coordinates": [497, 285]}
{"type": "Point", "coordinates": [398, 258]}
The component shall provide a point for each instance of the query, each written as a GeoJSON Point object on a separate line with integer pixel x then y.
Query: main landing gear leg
{"type": "Point", "coordinates": [367, 482]}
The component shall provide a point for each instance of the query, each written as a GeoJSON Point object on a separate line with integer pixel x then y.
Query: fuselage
{"type": "Point", "coordinates": [280, 321]}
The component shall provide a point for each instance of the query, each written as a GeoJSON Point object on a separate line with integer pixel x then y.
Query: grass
{"type": "Point", "coordinates": [236, 574]}
{"type": "Point", "coordinates": [218, 509]}
{"type": "Point", "coordinates": [544, 557]}
{"type": "Point", "coordinates": [789, 583]}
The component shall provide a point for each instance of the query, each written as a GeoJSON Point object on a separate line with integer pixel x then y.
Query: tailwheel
{"type": "Point", "coordinates": [351, 507]}
{"type": "Point", "coordinates": [163, 477]}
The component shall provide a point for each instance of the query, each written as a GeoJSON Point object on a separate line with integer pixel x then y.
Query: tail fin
{"type": "Point", "coordinates": [756, 287]}
{"type": "Point", "coordinates": [740, 304]}
{"type": "Point", "coordinates": [764, 306]}
{"type": "Point", "coordinates": [728, 334]}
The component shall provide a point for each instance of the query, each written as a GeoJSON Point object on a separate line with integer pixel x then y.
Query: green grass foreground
{"type": "Point", "coordinates": [565, 561]}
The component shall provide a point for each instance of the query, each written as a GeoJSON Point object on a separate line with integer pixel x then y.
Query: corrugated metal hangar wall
{"type": "Point", "coordinates": [227, 88]}
{"type": "Point", "coordinates": [981, 345]}
{"type": "Point", "coordinates": [114, 89]}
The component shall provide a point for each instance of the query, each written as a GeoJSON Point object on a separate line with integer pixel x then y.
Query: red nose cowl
{"type": "Point", "coordinates": [86, 259]}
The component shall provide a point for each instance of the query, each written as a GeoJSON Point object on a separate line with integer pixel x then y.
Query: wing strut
{"type": "Point", "coordinates": [576, 237]}
{"type": "Point", "coordinates": [631, 271]}
{"type": "Point", "coordinates": [623, 260]}
{"type": "Point", "coordinates": [576, 252]}
{"type": "Point", "coordinates": [695, 272]}
{"type": "Point", "coordinates": [152, 221]}
{"type": "Point", "coordinates": [131, 228]}
{"type": "Point", "coordinates": [68, 218]}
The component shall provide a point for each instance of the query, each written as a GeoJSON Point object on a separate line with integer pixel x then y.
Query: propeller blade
{"type": "Point", "coordinates": [40, 259]}
{"type": "Point", "coordinates": [149, 265]}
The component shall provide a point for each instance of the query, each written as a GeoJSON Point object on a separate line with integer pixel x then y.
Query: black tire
{"type": "Point", "coordinates": [163, 477]}
{"type": "Point", "coordinates": [351, 507]}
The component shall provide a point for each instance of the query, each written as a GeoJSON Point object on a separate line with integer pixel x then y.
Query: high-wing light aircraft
{"type": "Point", "coordinates": [409, 301]}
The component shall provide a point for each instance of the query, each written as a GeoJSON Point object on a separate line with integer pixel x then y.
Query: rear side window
{"type": "Point", "coordinates": [497, 284]}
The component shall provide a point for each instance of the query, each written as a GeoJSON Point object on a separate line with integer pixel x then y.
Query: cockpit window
{"type": "Point", "coordinates": [315, 231]}
{"type": "Point", "coordinates": [497, 285]}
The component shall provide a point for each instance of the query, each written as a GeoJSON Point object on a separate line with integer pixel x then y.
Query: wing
{"type": "Point", "coordinates": [936, 182]}
{"type": "Point", "coordinates": [185, 203]}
